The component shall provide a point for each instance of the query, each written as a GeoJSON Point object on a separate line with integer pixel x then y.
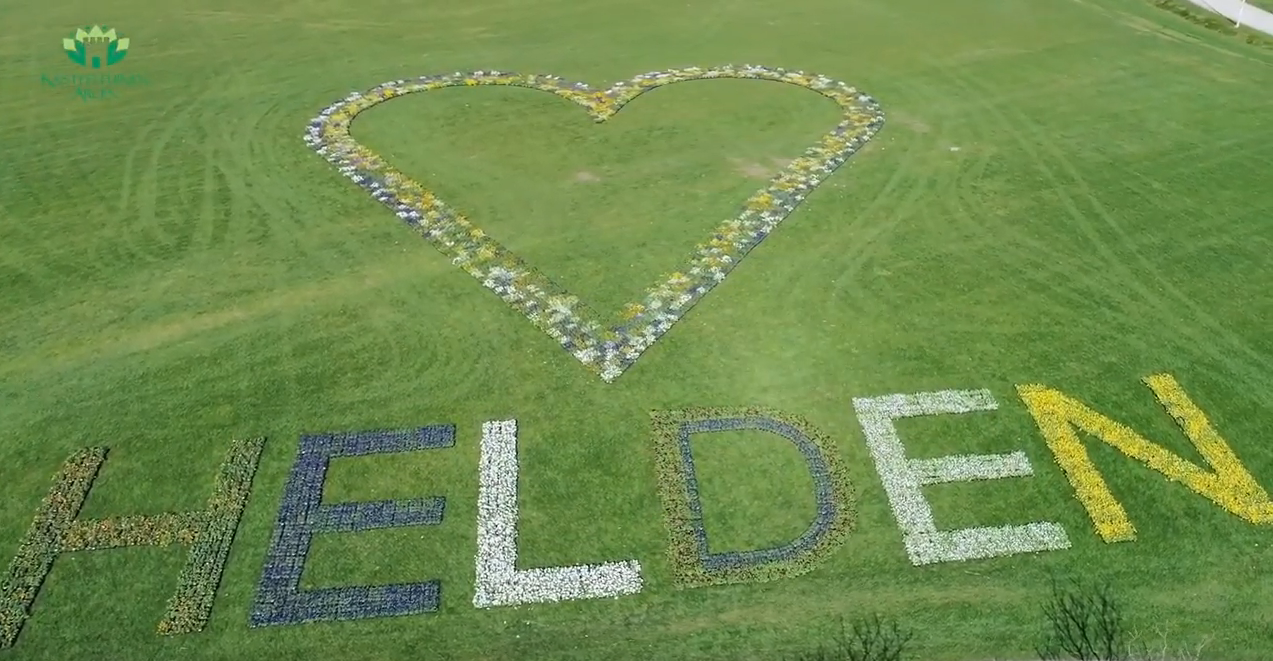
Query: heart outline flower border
{"type": "Point", "coordinates": [606, 349]}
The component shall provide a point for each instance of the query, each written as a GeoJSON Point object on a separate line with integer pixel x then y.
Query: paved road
{"type": "Point", "coordinates": [1251, 16]}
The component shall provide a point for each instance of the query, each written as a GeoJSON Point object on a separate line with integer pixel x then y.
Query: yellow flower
{"type": "Point", "coordinates": [1227, 483]}
{"type": "Point", "coordinates": [761, 202]}
{"type": "Point", "coordinates": [631, 310]}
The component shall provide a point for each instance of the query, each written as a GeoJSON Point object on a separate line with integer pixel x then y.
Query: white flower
{"type": "Point", "coordinates": [903, 478]}
{"type": "Point", "coordinates": [499, 582]}
{"type": "Point", "coordinates": [611, 372]}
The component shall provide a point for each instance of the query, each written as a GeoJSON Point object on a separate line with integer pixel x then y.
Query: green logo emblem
{"type": "Point", "coordinates": [85, 47]}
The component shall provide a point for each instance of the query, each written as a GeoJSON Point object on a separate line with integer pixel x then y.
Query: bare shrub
{"type": "Point", "coordinates": [866, 639]}
{"type": "Point", "coordinates": [1162, 650]}
{"type": "Point", "coordinates": [1085, 624]}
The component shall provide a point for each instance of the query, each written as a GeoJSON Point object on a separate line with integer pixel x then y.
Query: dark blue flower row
{"type": "Point", "coordinates": [280, 599]}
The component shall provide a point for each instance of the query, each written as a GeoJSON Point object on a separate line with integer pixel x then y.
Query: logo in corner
{"type": "Point", "coordinates": [95, 46]}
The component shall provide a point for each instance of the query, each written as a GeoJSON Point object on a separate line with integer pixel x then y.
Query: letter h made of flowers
{"type": "Point", "coordinates": [57, 529]}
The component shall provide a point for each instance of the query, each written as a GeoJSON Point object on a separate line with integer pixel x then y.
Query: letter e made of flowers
{"type": "Point", "coordinates": [280, 599]}
{"type": "Point", "coordinates": [904, 478]}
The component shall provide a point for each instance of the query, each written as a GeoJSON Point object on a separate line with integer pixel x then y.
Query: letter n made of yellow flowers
{"type": "Point", "coordinates": [1227, 483]}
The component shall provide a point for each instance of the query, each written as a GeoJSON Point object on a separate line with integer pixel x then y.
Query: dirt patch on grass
{"type": "Point", "coordinates": [758, 169]}
{"type": "Point", "coordinates": [909, 122]}
{"type": "Point", "coordinates": [752, 169]}
{"type": "Point", "coordinates": [585, 177]}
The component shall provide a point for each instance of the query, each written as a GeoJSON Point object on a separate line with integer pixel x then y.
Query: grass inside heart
{"type": "Point", "coordinates": [606, 344]}
{"type": "Point", "coordinates": [604, 208]}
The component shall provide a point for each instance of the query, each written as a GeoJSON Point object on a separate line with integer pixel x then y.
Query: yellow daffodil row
{"type": "Point", "coordinates": [1225, 481]}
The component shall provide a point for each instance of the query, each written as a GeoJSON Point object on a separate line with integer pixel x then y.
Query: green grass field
{"type": "Point", "coordinates": [1073, 193]}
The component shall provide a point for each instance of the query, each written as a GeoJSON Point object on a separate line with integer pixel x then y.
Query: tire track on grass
{"type": "Point", "coordinates": [1216, 156]}
{"type": "Point", "coordinates": [884, 211]}
{"type": "Point", "coordinates": [923, 197]}
{"type": "Point", "coordinates": [1033, 133]}
{"type": "Point", "coordinates": [964, 197]}
{"type": "Point", "coordinates": [213, 202]}
{"type": "Point", "coordinates": [1169, 199]}
{"type": "Point", "coordinates": [935, 178]}
{"type": "Point", "coordinates": [256, 214]}
{"type": "Point", "coordinates": [968, 166]}
{"type": "Point", "coordinates": [1062, 279]}
{"type": "Point", "coordinates": [267, 183]}
{"type": "Point", "coordinates": [127, 183]}
{"type": "Point", "coordinates": [218, 204]}
{"type": "Point", "coordinates": [226, 202]}
{"type": "Point", "coordinates": [962, 152]}
{"type": "Point", "coordinates": [895, 201]}
{"type": "Point", "coordinates": [983, 94]}
{"type": "Point", "coordinates": [180, 223]}
{"type": "Point", "coordinates": [981, 231]}
{"type": "Point", "coordinates": [1168, 298]}
{"type": "Point", "coordinates": [155, 243]}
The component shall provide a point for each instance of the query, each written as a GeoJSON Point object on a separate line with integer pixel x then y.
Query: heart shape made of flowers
{"type": "Point", "coordinates": [608, 349]}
